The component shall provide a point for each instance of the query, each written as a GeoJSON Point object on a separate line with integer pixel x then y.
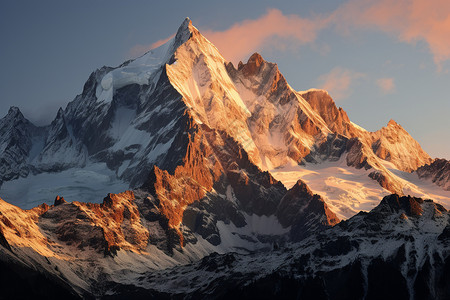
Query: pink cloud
{"type": "Point", "coordinates": [409, 20]}
{"type": "Point", "coordinates": [338, 82]}
{"type": "Point", "coordinates": [386, 85]}
{"type": "Point", "coordinates": [248, 36]}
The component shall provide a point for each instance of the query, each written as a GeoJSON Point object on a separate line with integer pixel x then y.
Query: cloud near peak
{"type": "Point", "coordinates": [409, 21]}
{"type": "Point", "coordinates": [386, 85]}
{"type": "Point", "coordinates": [251, 35]}
{"type": "Point", "coordinates": [339, 81]}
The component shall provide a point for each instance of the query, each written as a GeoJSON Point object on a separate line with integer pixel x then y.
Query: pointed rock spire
{"type": "Point", "coordinates": [14, 113]}
{"type": "Point", "coordinates": [184, 32]}
{"type": "Point", "coordinates": [392, 123]}
{"type": "Point", "coordinates": [253, 65]}
{"type": "Point", "coordinates": [59, 200]}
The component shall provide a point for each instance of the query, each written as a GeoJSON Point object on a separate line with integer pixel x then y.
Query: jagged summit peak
{"type": "Point", "coordinates": [59, 200]}
{"type": "Point", "coordinates": [187, 23]}
{"type": "Point", "coordinates": [392, 123]}
{"type": "Point", "coordinates": [184, 32]}
{"type": "Point", "coordinates": [411, 206]}
{"type": "Point", "coordinates": [185, 27]}
{"type": "Point", "coordinates": [253, 64]}
{"type": "Point", "coordinates": [255, 58]}
{"type": "Point", "coordinates": [300, 187]}
{"type": "Point", "coordinates": [14, 111]}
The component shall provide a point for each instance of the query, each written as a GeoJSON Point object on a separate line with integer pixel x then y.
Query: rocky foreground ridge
{"type": "Point", "coordinates": [124, 248]}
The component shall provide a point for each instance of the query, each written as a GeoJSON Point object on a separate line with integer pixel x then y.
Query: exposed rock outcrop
{"type": "Point", "coordinates": [438, 171]}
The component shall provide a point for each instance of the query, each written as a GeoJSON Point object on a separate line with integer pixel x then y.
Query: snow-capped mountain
{"type": "Point", "coordinates": [230, 171]}
{"type": "Point", "coordinates": [133, 117]}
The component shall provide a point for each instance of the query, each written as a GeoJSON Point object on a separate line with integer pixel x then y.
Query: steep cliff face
{"type": "Point", "coordinates": [20, 142]}
{"type": "Point", "coordinates": [335, 118]}
{"type": "Point", "coordinates": [306, 212]}
{"type": "Point", "coordinates": [282, 124]}
{"type": "Point", "coordinates": [217, 171]}
{"type": "Point", "coordinates": [393, 144]}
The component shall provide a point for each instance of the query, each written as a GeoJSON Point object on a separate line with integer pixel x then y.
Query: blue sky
{"type": "Point", "coordinates": [380, 60]}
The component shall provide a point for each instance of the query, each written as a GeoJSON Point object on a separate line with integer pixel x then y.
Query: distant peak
{"type": "Point", "coordinates": [395, 203]}
{"type": "Point", "coordinates": [302, 188]}
{"type": "Point", "coordinates": [14, 113]}
{"type": "Point", "coordinates": [392, 123]}
{"type": "Point", "coordinates": [13, 110]}
{"type": "Point", "coordinates": [252, 66]}
{"type": "Point", "coordinates": [59, 200]}
{"type": "Point", "coordinates": [256, 58]}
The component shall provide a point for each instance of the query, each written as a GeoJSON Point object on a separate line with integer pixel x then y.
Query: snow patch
{"type": "Point", "coordinates": [89, 184]}
{"type": "Point", "coordinates": [138, 71]}
{"type": "Point", "coordinates": [345, 189]}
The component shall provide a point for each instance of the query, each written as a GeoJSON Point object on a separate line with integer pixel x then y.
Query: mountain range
{"type": "Point", "coordinates": [220, 181]}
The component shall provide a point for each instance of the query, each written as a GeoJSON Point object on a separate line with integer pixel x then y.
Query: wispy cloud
{"type": "Point", "coordinates": [249, 36]}
{"type": "Point", "coordinates": [339, 82]}
{"type": "Point", "coordinates": [386, 85]}
{"type": "Point", "coordinates": [408, 20]}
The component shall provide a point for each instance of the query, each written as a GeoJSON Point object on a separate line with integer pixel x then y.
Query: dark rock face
{"type": "Point", "coordinates": [16, 140]}
{"type": "Point", "coordinates": [385, 281]}
{"type": "Point", "coordinates": [356, 157]}
{"type": "Point", "coordinates": [253, 65]}
{"type": "Point", "coordinates": [438, 171]}
{"type": "Point", "coordinates": [59, 200]}
{"type": "Point", "coordinates": [305, 212]}
{"type": "Point", "coordinates": [3, 241]}
{"type": "Point", "coordinates": [339, 263]}
{"type": "Point", "coordinates": [336, 118]}
{"type": "Point", "coordinates": [410, 205]}
{"type": "Point", "coordinates": [20, 281]}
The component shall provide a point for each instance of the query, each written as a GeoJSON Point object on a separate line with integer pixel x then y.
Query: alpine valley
{"type": "Point", "coordinates": [178, 175]}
